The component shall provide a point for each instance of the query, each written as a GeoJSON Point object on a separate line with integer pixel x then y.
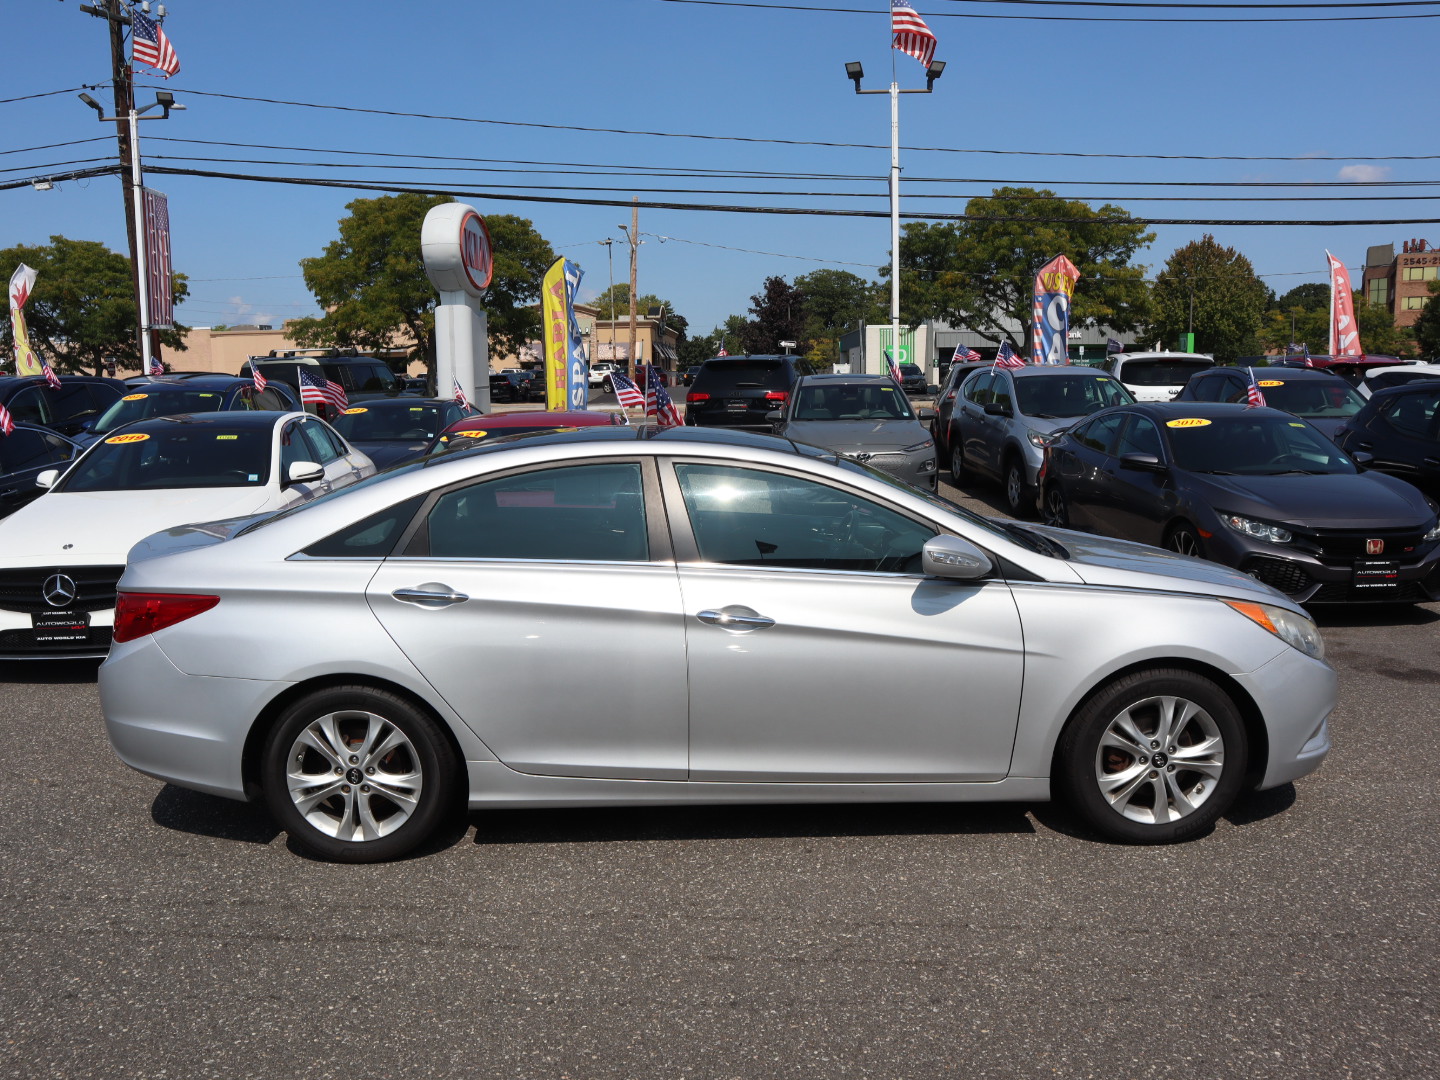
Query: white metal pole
{"type": "Point", "coordinates": [142, 234]}
{"type": "Point", "coordinates": [895, 221]}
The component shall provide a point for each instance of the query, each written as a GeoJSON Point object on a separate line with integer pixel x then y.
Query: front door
{"type": "Point", "coordinates": [817, 651]}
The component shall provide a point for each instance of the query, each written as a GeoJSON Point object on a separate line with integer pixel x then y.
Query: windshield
{"type": "Point", "coordinates": [143, 405]}
{"type": "Point", "coordinates": [408, 423]}
{"type": "Point", "coordinates": [1162, 372]}
{"type": "Point", "coordinates": [183, 456]}
{"type": "Point", "coordinates": [717, 376]}
{"type": "Point", "coordinates": [869, 401]}
{"type": "Point", "coordinates": [1251, 444]}
{"type": "Point", "coordinates": [1311, 398]}
{"type": "Point", "coordinates": [1054, 397]}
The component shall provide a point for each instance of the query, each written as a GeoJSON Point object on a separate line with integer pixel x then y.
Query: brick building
{"type": "Point", "coordinates": [1401, 283]}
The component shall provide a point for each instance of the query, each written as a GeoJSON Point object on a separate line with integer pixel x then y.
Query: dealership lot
{"type": "Point", "coordinates": [156, 931]}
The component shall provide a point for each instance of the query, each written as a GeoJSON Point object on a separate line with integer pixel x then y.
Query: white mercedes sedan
{"type": "Point", "coordinates": [624, 616]}
{"type": "Point", "coordinates": [61, 555]}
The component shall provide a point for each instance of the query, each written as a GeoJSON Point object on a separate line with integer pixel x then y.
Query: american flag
{"type": "Point", "coordinates": [1006, 357]}
{"type": "Point", "coordinates": [318, 390]}
{"type": "Point", "coordinates": [722, 351]}
{"type": "Point", "coordinates": [7, 425]}
{"type": "Point", "coordinates": [259, 380]}
{"type": "Point", "coordinates": [627, 392]}
{"type": "Point", "coordinates": [965, 355]}
{"type": "Point", "coordinates": [156, 367]}
{"type": "Point", "coordinates": [149, 45]}
{"type": "Point", "coordinates": [460, 397]}
{"type": "Point", "coordinates": [1254, 399]}
{"type": "Point", "coordinates": [657, 401]}
{"type": "Point", "coordinates": [50, 376]}
{"type": "Point", "coordinates": [912, 36]}
{"type": "Point", "coordinates": [894, 367]}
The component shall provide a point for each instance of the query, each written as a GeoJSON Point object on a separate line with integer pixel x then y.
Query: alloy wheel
{"type": "Point", "coordinates": [354, 775]}
{"type": "Point", "coordinates": [1159, 760]}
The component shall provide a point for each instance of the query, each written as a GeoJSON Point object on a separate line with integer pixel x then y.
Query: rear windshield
{"type": "Point", "coordinates": [1047, 397]}
{"type": "Point", "coordinates": [721, 375]}
{"type": "Point", "coordinates": [1399, 377]}
{"type": "Point", "coordinates": [1314, 399]}
{"type": "Point", "coordinates": [182, 456]}
{"type": "Point", "coordinates": [144, 404]}
{"type": "Point", "coordinates": [362, 424]}
{"type": "Point", "coordinates": [910, 369]}
{"type": "Point", "coordinates": [1162, 372]}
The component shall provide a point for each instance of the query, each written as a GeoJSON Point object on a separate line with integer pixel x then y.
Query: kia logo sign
{"type": "Point", "coordinates": [475, 254]}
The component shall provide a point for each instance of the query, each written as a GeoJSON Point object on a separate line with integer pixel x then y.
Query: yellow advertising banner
{"type": "Point", "coordinates": [555, 325]}
{"type": "Point", "coordinates": [26, 362]}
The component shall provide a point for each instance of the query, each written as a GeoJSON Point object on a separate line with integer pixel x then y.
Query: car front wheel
{"type": "Point", "coordinates": [1153, 758]}
{"type": "Point", "coordinates": [355, 774]}
{"type": "Point", "coordinates": [957, 463]}
{"type": "Point", "coordinates": [1017, 498]}
{"type": "Point", "coordinates": [1056, 510]}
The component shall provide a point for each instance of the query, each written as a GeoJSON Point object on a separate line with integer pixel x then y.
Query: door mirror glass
{"type": "Point", "coordinates": [952, 557]}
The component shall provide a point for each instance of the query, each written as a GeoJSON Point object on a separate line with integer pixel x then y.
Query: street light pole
{"type": "Point", "coordinates": [855, 72]}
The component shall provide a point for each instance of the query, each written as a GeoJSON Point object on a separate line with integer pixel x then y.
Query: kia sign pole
{"type": "Point", "coordinates": [455, 246]}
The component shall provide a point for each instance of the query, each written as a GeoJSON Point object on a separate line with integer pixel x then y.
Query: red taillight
{"type": "Point", "coordinates": [776, 395]}
{"type": "Point", "coordinates": [693, 396]}
{"type": "Point", "coordinates": [138, 613]}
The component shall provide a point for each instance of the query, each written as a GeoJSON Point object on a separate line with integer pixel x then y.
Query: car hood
{"type": "Point", "coordinates": [101, 526]}
{"type": "Point", "coordinates": [1121, 564]}
{"type": "Point", "coordinates": [1364, 500]}
{"type": "Point", "coordinates": [848, 435]}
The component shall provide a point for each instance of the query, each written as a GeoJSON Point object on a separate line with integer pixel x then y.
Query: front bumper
{"type": "Point", "coordinates": [1296, 706]}
{"type": "Point", "coordinates": [1326, 579]}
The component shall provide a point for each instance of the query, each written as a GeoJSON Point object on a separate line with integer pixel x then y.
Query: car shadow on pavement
{"type": "Point", "coordinates": [209, 815]}
{"type": "Point", "coordinates": [1248, 809]}
{"type": "Point", "coordinates": [1334, 616]}
{"type": "Point", "coordinates": [48, 671]}
{"type": "Point", "coordinates": [592, 825]}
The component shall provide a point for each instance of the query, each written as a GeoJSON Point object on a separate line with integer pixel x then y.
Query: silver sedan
{"type": "Point", "coordinates": [620, 616]}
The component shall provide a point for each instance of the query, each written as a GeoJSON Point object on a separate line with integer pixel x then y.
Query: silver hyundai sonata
{"type": "Point", "coordinates": [626, 616]}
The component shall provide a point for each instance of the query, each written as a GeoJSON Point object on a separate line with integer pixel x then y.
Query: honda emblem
{"type": "Point", "coordinates": [1374, 547]}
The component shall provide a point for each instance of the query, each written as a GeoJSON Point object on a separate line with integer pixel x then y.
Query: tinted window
{"type": "Point", "coordinates": [323, 445]}
{"type": "Point", "coordinates": [748, 517]}
{"type": "Point", "coordinates": [293, 447]}
{"type": "Point", "coordinates": [1252, 443]}
{"type": "Point", "coordinates": [1413, 413]}
{"type": "Point", "coordinates": [174, 457]}
{"type": "Point", "coordinates": [1212, 389]}
{"type": "Point", "coordinates": [1310, 398]}
{"type": "Point", "coordinates": [718, 376]}
{"type": "Point", "coordinates": [23, 449]}
{"type": "Point", "coordinates": [143, 404]}
{"type": "Point", "coordinates": [1053, 397]}
{"type": "Point", "coordinates": [1099, 434]}
{"type": "Point", "coordinates": [577, 513]}
{"type": "Point", "coordinates": [1161, 372]}
{"type": "Point", "coordinates": [359, 423]}
{"type": "Point", "coordinates": [29, 406]}
{"type": "Point", "coordinates": [75, 401]}
{"type": "Point", "coordinates": [978, 389]}
{"type": "Point", "coordinates": [1398, 377]}
{"type": "Point", "coordinates": [1140, 437]}
{"type": "Point", "coordinates": [372, 538]}
{"type": "Point", "coordinates": [366, 378]}
{"type": "Point", "coordinates": [867, 401]}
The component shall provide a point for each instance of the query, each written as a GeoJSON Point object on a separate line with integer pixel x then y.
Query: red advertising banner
{"type": "Point", "coordinates": [1344, 332]}
{"type": "Point", "coordinates": [157, 258]}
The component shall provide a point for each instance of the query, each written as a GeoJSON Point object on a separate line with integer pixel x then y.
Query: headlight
{"type": "Point", "coordinates": [920, 446]}
{"type": "Point", "coordinates": [1260, 530]}
{"type": "Point", "coordinates": [1294, 630]}
{"type": "Point", "coordinates": [1434, 533]}
{"type": "Point", "coordinates": [1041, 439]}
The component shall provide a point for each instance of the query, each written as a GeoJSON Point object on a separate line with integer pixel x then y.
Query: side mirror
{"type": "Point", "coordinates": [1142, 462]}
{"type": "Point", "coordinates": [304, 472]}
{"type": "Point", "coordinates": [1363, 459]}
{"type": "Point", "coordinates": [952, 557]}
{"type": "Point", "coordinates": [996, 408]}
{"type": "Point", "coordinates": [774, 416]}
{"type": "Point", "coordinates": [932, 389]}
{"type": "Point", "coordinates": [926, 414]}
{"type": "Point", "coordinates": [47, 479]}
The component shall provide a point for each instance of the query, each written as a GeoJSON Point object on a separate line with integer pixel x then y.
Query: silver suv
{"type": "Point", "coordinates": [1003, 419]}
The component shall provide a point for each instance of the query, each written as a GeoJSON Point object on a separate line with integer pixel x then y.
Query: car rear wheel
{"type": "Point", "coordinates": [957, 464]}
{"type": "Point", "coordinates": [355, 774]}
{"type": "Point", "coordinates": [1183, 540]}
{"type": "Point", "coordinates": [1056, 511]}
{"type": "Point", "coordinates": [1153, 758]}
{"type": "Point", "coordinates": [1017, 499]}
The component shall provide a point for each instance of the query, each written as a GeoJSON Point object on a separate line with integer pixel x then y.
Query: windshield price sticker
{"type": "Point", "coordinates": [472, 434]}
{"type": "Point", "coordinates": [227, 436]}
{"type": "Point", "coordinates": [134, 436]}
{"type": "Point", "coordinates": [1271, 382]}
{"type": "Point", "coordinates": [1190, 421]}
{"type": "Point", "coordinates": [134, 397]}
{"type": "Point", "coordinates": [352, 412]}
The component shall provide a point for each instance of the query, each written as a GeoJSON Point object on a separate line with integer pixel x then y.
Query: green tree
{"type": "Point", "coordinates": [372, 286]}
{"type": "Point", "coordinates": [1312, 296]}
{"type": "Point", "coordinates": [1310, 326]}
{"type": "Point", "coordinates": [979, 273]}
{"type": "Point", "coordinates": [82, 311]}
{"type": "Point", "coordinates": [1427, 328]}
{"type": "Point", "coordinates": [779, 315]}
{"type": "Point", "coordinates": [837, 301]}
{"type": "Point", "coordinates": [1215, 290]}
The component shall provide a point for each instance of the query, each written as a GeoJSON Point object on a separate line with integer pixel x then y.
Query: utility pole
{"type": "Point", "coordinates": [634, 267]}
{"type": "Point", "coordinates": [124, 104]}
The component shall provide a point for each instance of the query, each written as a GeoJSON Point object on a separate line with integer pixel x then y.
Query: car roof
{"type": "Point", "coordinates": [240, 419]}
{"type": "Point", "coordinates": [7, 381]}
{"type": "Point", "coordinates": [833, 377]}
{"type": "Point", "coordinates": [653, 434]}
{"type": "Point", "coordinates": [1287, 374]}
{"type": "Point", "coordinates": [1029, 371]}
{"type": "Point", "coordinates": [1171, 410]}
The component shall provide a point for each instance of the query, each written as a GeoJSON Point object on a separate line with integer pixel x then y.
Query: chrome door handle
{"type": "Point", "coordinates": [431, 594]}
{"type": "Point", "coordinates": [736, 617]}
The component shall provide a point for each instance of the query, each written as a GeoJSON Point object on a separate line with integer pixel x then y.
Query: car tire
{"type": "Point", "coordinates": [347, 762]}
{"type": "Point", "coordinates": [1017, 498]}
{"type": "Point", "coordinates": [1055, 510]}
{"type": "Point", "coordinates": [608, 386]}
{"type": "Point", "coordinates": [1154, 757]}
{"type": "Point", "coordinates": [958, 471]}
{"type": "Point", "coordinates": [1184, 540]}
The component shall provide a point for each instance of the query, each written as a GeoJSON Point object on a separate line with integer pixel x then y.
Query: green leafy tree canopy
{"type": "Point", "coordinates": [979, 273]}
{"type": "Point", "coordinates": [1427, 327]}
{"type": "Point", "coordinates": [82, 311]}
{"type": "Point", "coordinates": [1213, 289]}
{"type": "Point", "coordinates": [779, 315]}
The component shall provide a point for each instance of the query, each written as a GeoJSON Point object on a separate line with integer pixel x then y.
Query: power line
{"type": "Point", "coordinates": [1057, 18]}
{"type": "Point", "coordinates": [793, 142]}
{"type": "Point", "coordinates": [54, 93]}
{"type": "Point", "coordinates": [1245, 7]}
{"type": "Point", "coordinates": [54, 145]}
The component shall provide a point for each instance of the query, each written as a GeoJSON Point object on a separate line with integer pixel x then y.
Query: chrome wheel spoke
{"type": "Point", "coordinates": [309, 791]}
{"type": "Point", "coordinates": [393, 741]}
{"type": "Point", "coordinates": [1120, 787]}
{"type": "Point", "coordinates": [1125, 734]}
{"type": "Point", "coordinates": [1178, 799]}
{"type": "Point", "coordinates": [370, 829]}
{"type": "Point", "coordinates": [402, 790]}
{"type": "Point", "coordinates": [1175, 716]}
{"type": "Point", "coordinates": [324, 739]}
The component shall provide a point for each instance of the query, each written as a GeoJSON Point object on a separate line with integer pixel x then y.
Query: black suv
{"type": "Point", "coordinates": [739, 391]}
{"type": "Point", "coordinates": [359, 376]}
{"type": "Point", "coordinates": [70, 410]}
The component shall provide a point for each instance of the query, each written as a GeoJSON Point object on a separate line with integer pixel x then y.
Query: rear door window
{"type": "Point", "coordinates": [1413, 414]}
{"type": "Point", "coordinates": [1099, 434]}
{"type": "Point", "coordinates": [30, 405]}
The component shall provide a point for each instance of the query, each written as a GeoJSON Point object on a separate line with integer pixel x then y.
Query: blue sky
{"type": "Point", "coordinates": [1331, 89]}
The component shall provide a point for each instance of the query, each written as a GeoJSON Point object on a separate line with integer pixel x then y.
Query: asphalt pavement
{"type": "Point", "coordinates": [155, 932]}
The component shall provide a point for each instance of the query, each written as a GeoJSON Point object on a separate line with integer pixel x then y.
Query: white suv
{"type": "Point", "coordinates": [1156, 376]}
{"type": "Point", "coordinates": [600, 374]}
